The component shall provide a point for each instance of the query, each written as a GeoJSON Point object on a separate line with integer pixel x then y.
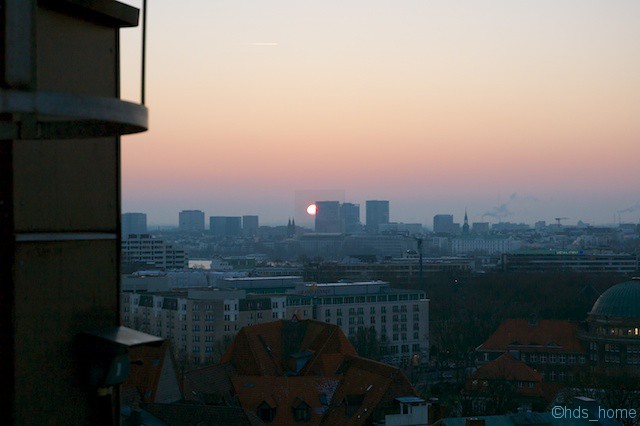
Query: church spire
{"type": "Point", "coordinates": [465, 227]}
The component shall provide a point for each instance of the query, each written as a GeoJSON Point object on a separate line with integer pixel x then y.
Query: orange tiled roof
{"type": "Point", "coordinates": [284, 393]}
{"type": "Point", "coordinates": [264, 349]}
{"type": "Point", "coordinates": [508, 368]}
{"type": "Point", "coordinates": [264, 358]}
{"type": "Point", "coordinates": [374, 383]}
{"type": "Point", "coordinates": [545, 335]}
{"type": "Point", "coordinates": [204, 383]}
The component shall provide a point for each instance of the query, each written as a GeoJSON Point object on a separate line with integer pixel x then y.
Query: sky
{"type": "Point", "coordinates": [516, 111]}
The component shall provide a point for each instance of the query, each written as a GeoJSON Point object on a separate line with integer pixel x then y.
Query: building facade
{"type": "Point", "coordinates": [400, 269]}
{"type": "Point", "coordinates": [443, 224]}
{"type": "Point", "coordinates": [133, 223]}
{"type": "Point", "coordinates": [569, 260]}
{"type": "Point", "coordinates": [225, 226]}
{"type": "Point", "coordinates": [480, 228]}
{"type": "Point", "coordinates": [250, 225]}
{"type": "Point", "coordinates": [350, 214]}
{"type": "Point", "coordinates": [401, 228]}
{"type": "Point", "coordinates": [144, 248]}
{"type": "Point", "coordinates": [551, 347]}
{"type": "Point", "coordinates": [200, 321]}
{"type": "Point", "coordinates": [399, 317]}
{"type": "Point", "coordinates": [489, 244]}
{"type": "Point", "coordinates": [191, 220]}
{"type": "Point", "coordinates": [612, 330]}
{"type": "Point", "coordinates": [377, 214]}
{"type": "Point", "coordinates": [328, 217]}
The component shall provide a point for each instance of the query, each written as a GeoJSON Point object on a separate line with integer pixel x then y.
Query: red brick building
{"type": "Point", "coordinates": [551, 347]}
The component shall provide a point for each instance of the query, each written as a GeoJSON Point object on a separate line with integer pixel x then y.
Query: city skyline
{"type": "Point", "coordinates": [435, 107]}
{"type": "Point", "coordinates": [515, 209]}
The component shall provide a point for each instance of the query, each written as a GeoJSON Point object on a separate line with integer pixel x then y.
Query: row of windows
{"type": "Point", "coordinates": [619, 331]}
{"type": "Point", "coordinates": [196, 307]}
{"type": "Point", "coordinates": [404, 349]}
{"type": "Point", "coordinates": [207, 349]}
{"type": "Point", "coordinates": [403, 317]}
{"type": "Point", "coordinates": [328, 312]}
{"type": "Point", "coordinates": [552, 358]}
{"type": "Point", "coordinates": [358, 299]}
{"type": "Point", "coordinates": [615, 348]}
{"type": "Point", "coordinates": [485, 383]}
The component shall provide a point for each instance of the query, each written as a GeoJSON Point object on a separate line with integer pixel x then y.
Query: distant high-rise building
{"type": "Point", "coordinates": [250, 225]}
{"type": "Point", "coordinates": [225, 226]}
{"type": "Point", "coordinates": [143, 248]}
{"type": "Point", "coordinates": [328, 217]}
{"type": "Point", "coordinates": [377, 214]}
{"type": "Point", "coordinates": [191, 220]}
{"type": "Point", "coordinates": [350, 214]}
{"type": "Point", "coordinates": [133, 223]}
{"type": "Point", "coordinates": [443, 223]}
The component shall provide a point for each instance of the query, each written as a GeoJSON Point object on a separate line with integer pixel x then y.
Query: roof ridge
{"type": "Point", "coordinates": [317, 353]}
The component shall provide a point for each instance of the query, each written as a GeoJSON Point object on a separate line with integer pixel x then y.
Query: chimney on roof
{"type": "Point", "coordinates": [474, 421]}
{"type": "Point", "coordinates": [533, 320]}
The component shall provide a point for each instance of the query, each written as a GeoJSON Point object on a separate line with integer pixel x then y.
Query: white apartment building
{"type": "Point", "coordinates": [197, 321]}
{"type": "Point", "coordinates": [493, 244]}
{"type": "Point", "coordinates": [400, 317]}
{"type": "Point", "coordinates": [143, 248]}
{"type": "Point", "coordinates": [201, 321]}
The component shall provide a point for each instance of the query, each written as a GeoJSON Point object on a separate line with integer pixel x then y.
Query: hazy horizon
{"type": "Point", "coordinates": [515, 209]}
{"type": "Point", "coordinates": [435, 106]}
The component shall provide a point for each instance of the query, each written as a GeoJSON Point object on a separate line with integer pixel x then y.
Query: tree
{"type": "Point", "coordinates": [367, 344]}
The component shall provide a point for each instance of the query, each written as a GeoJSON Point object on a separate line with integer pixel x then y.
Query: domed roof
{"type": "Point", "coordinates": [621, 300]}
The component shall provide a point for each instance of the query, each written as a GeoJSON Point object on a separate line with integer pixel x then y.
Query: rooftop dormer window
{"type": "Point", "coordinates": [266, 412]}
{"type": "Point", "coordinates": [302, 412]}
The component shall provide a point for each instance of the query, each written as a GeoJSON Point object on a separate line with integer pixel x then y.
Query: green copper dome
{"type": "Point", "coordinates": [621, 300]}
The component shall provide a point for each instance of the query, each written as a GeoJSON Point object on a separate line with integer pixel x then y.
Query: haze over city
{"type": "Point", "coordinates": [521, 111]}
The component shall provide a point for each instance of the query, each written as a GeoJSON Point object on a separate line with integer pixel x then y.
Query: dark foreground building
{"type": "Point", "coordinates": [60, 125]}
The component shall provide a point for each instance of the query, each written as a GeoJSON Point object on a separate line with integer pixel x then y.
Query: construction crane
{"type": "Point", "coordinates": [558, 219]}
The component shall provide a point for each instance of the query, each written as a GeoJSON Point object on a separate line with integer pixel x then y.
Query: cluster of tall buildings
{"type": "Point", "coordinates": [233, 226]}
{"type": "Point", "coordinates": [336, 217]}
{"type": "Point", "coordinates": [194, 221]}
